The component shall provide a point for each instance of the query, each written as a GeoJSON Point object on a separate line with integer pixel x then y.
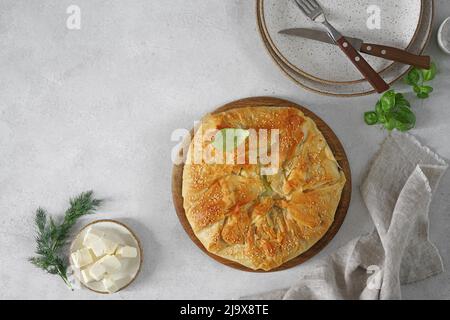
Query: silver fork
{"type": "Point", "coordinates": [314, 11]}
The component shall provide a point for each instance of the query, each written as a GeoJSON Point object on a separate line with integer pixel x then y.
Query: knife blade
{"type": "Point", "coordinates": [376, 50]}
{"type": "Point", "coordinates": [320, 36]}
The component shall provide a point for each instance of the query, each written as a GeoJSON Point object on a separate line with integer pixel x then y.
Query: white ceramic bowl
{"type": "Point", "coordinates": [123, 235]}
{"type": "Point", "coordinates": [444, 36]}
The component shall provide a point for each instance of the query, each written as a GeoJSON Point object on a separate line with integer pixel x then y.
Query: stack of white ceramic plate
{"type": "Point", "coordinates": [323, 68]}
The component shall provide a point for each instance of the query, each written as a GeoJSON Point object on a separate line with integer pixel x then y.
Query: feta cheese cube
{"type": "Point", "coordinates": [82, 257]}
{"type": "Point", "coordinates": [110, 246]}
{"type": "Point", "coordinates": [127, 252]}
{"type": "Point", "coordinates": [93, 240]}
{"type": "Point", "coordinates": [97, 271]}
{"type": "Point", "coordinates": [86, 276]}
{"type": "Point", "coordinates": [99, 243]}
{"type": "Point", "coordinates": [110, 285]}
{"type": "Point", "coordinates": [110, 263]}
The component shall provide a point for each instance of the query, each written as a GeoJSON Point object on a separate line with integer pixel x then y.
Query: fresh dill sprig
{"type": "Point", "coordinates": [51, 237]}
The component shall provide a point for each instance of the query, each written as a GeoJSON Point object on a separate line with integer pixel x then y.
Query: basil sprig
{"type": "Point", "coordinates": [392, 111]}
{"type": "Point", "coordinates": [417, 78]}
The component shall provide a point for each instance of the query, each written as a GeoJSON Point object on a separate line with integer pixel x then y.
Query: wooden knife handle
{"type": "Point", "coordinates": [366, 70]}
{"type": "Point", "coordinates": [398, 55]}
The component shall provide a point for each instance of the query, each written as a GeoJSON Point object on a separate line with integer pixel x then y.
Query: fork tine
{"type": "Point", "coordinates": [308, 4]}
{"type": "Point", "coordinates": [314, 4]}
{"type": "Point", "coordinates": [306, 10]}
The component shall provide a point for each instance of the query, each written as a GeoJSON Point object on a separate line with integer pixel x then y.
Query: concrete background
{"type": "Point", "coordinates": [95, 108]}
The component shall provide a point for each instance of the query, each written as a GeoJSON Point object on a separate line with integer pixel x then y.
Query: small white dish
{"type": "Point", "coordinates": [122, 235]}
{"type": "Point", "coordinates": [443, 36]}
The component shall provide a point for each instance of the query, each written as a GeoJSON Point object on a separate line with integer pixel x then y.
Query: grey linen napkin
{"type": "Point", "coordinates": [397, 192]}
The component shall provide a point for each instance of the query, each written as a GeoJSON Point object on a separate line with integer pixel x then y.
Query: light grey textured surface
{"type": "Point", "coordinates": [95, 109]}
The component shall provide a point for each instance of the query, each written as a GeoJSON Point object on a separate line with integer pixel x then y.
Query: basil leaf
{"type": "Point", "coordinates": [380, 113]}
{"type": "Point", "coordinates": [404, 118]}
{"type": "Point", "coordinates": [241, 136]}
{"type": "Point", "coordinates": [429, 74]}
{"type": "Point", "coordinates": [400, 100]}
{"type": "Point", "coordinates": [378, 108]}
{"type": "Point", "coordinates": [371, 118]}
{"type": "Point", "coordinates": [390, 124]}
{"type": "Point", "coordinates": [382, 119]}
{"type": "Point", "coordinates": [388, 101]}
{"type": "Point", "coordinates": [220, 139]}
{"type": "Point", "coordinates": [413, 77]}
{"type": "Point", "coordinates": [423, 95]}
{"type": "Point", "coordinates": [427, 89]}
{"type": "Point", "coordinates": [423, 92]}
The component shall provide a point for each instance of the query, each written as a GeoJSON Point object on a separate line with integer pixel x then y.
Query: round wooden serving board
{"type": "Point", "coordinates": [336, 147]}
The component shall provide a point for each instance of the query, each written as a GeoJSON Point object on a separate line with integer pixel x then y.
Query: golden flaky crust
{"type": "Point", "coordinates": [256, 220]}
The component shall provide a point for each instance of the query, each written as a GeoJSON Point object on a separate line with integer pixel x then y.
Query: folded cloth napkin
{"type": "Point", "coordinates": [397, 192]}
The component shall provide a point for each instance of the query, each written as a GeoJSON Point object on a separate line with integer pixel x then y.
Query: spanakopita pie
{"type": "Point", "coordinates": [261, 209]}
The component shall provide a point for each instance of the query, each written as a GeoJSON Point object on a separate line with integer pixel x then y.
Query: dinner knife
{"type": "Point", "coordinates": [376, 50]}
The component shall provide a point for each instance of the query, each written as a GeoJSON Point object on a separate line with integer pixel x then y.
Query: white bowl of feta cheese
{"type": "Point", "coordinates": [106, 256]}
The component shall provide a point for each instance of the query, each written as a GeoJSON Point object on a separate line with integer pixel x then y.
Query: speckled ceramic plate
{"type": "Point", "coordinates": [326, 63]}
{"type": "Point", "coordinates": [391, 74]}
{"type": "Point", "coordinates": [122, 235]}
